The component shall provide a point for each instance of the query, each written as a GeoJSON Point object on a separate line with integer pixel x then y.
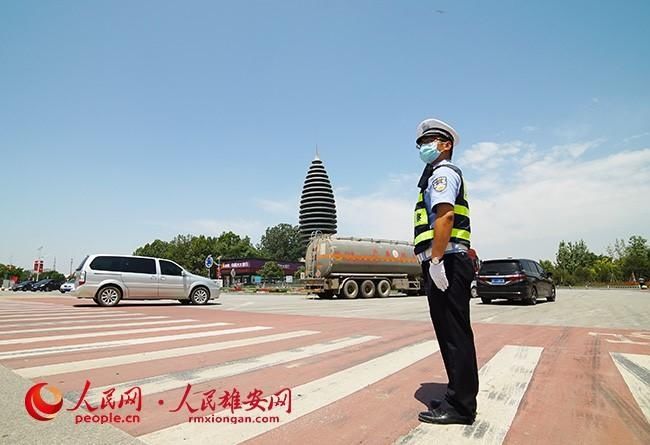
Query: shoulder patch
{"type": "Point", "coordinates": [440, 184]}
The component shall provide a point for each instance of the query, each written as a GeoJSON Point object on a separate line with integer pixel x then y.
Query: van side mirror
{"type": "Point", "coordinates": [549, 274]}
{"type": "Point", "coordinates": [183, 273]}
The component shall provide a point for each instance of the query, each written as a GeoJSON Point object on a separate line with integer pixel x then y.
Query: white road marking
{"type": "Point", "coordinates": [307, 398]}
{"type": "Point", "coordinates": [635, 369]}
{"type": "Point", "coordinates": [118, 343]}
{"type": "Point", "coordinates": [60, 368]}
{"type": "Point", "coordinates": [502, 384]}
{"type": "Point", "coordinates": [48, 314]}
{"type": "Point", "coordinates": [167, 382]}
{"type": "Point", "coordinates": [95, 326]}
{"type": "Point", "coordinates": [70, 317]}
{"type": "Point", "coordinates": [20, 341]}
{"type": "Point", "coordinates": [82, 320]}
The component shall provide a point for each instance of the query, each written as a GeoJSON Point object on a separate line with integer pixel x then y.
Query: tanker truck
{"type": "Point", "coordinates": [351, 267]}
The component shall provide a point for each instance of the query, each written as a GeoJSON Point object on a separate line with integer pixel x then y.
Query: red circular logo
{"type": "Point", "coordinates": [38, 408]}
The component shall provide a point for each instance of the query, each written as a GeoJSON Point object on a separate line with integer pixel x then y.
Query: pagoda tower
{"type": "Point", "coordinates": [317, 206]}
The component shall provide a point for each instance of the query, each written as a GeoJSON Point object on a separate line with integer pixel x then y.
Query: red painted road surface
{"type": "Point", "coordinates": [577, 385]}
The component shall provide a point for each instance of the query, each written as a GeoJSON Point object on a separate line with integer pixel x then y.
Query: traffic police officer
{"type": "Point", "coordinates": [442, 239]}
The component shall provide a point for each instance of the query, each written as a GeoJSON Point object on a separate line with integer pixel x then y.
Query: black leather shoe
{"type": "Point", "coordinates": [435, 403]}
{"type": "Point", "coordinates": [445, 416]}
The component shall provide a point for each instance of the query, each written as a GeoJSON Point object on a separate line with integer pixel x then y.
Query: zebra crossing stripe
{"type": "Point", "coordinates": [82, 320]}
{"type": "Point", "coordinates": [131, 342]}
{"type": "Point", "coordinates": [20, 341]}
{"type": "Point", "coordinates": [635, 369]}
{"type": "Point", "coordinates": [69, 317]}
{"type": "Point", "coordinates": [308, 398]}
{"type": "Point", "coordinates": [167, 382]}
{"type": "Point", "coordinates": [34, 315]}
{"type": "Point", "coordinates": [102, 326]}
{"type": "Point", "coordinates": [502, 384]}
{"type": "Point", "coordinates": [60, 368]}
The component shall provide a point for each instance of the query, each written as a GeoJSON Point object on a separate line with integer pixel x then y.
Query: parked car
{"type": "Point", "coordinates": [47, 285]}
{"type": "Point", "coordinates": [107, 279]}
{"type": "Point", "coordinates": [68, 286]}
{"type": "Point", "coordinates": [23, 286]}
{"type": "Point", "coordinates": [514, 279]}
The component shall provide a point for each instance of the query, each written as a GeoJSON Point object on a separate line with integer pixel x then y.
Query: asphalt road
{"type": "Point", "coordinates": [359, 369]}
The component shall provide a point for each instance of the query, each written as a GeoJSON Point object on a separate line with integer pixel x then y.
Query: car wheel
{"type": "Point", "coordinates": [552, 296]}
{"type": "Point", "coordinates": [108, 296]}
{"type": "Point", "coordinates": [486, 300]}
{"type": "Point", "coordinates": [473, 292]}
{"type": "Point", "coordinates": [185, 302]}
{"type": "Point", "coordinates": [533, 296]}
{"type": "Point", "coordinates": [200, 295]}
{"type": "Point", "coordinates": [62, 291]}
{"type": "Point", "coordinates": [350, 289]}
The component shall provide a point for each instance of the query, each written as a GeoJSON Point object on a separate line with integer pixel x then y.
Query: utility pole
{"type": "Point", "coordinates": [54, 265]}
{"type": "Point", "coordinates": [71, 260]}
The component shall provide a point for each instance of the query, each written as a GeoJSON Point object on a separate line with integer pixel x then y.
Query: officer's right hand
{"type": "Point", "coordinates": [438, 275]}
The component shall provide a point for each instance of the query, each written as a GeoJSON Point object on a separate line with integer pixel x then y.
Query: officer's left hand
{"type": "Point", "coordinates": [438, 275]}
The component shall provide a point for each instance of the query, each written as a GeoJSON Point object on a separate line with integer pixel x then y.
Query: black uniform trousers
{"type": "Point", "coordinates": [451, 322]}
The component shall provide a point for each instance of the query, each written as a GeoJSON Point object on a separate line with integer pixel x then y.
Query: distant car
{"type": "Point", "coordinates": [514, 279]}
{"type": "Point", "coordinates": [107, 279]}
{"type": "Point", "coordinates": [68, 286]}
{"type": "Point", "coordinates": [47, 285]}
{"type": "Point", "coordinates": [23, 286]}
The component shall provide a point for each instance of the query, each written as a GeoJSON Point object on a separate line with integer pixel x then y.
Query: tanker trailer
{"type": "Point", "coordinates": [349, 267]}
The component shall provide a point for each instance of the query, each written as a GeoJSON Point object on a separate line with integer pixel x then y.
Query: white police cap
{"type": "Point", "coordinates": [430, 127]}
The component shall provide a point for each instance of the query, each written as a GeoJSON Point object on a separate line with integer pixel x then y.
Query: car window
{"type": "Point", "coordinates": [499, 268]}
{"type": "Point", "coordinates": [139, 265]}
{"type": "Point", "coordinates": [169, 268]}
{"type": "Point", "coordinates": [107, 263]}
{"type": "Point", "coordinates": [529, 268]}
{"type": "Point", "coordinates": [540, 269]}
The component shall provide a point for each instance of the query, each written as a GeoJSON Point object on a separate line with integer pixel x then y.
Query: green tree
{"type": "Point", "coordinates": [636, 260]}
{"type": "Point", "coordinates": [281, 242]}
{"type": "Point", "coordinates": [190, 251]}
{"type": "Point", "coordinates": [7, 271]}
{"type": "Point", "coordinates": [271, 271]}
{"type": "Point", "coordinates": [574, 262]}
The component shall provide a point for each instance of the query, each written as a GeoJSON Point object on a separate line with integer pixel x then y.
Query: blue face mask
{"type": "Point", "coordinates": [429, 152]}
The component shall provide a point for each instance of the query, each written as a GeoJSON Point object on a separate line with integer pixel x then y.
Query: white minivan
{"type": "Point", "coordinates": [109, 278]}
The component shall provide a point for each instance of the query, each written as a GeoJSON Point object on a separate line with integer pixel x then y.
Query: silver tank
{"type": "Point", "coordinates": [327, 254]}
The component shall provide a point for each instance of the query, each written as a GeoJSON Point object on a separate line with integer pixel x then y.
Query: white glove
{"type": "Point", "coordinates": [437, 273]}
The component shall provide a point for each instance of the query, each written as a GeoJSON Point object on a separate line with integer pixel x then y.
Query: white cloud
{"type": "Point", "coordinates": [491, 155]}
{"type": "Point", "coordinates": [574, 150]}
{"type": "Point", "coordinates": [636, 136]}
{"type": "Point", "coordinates": [554, 197]}
{"type": "Point", "coordinates": [278, 207]}
{"type": "Point", "coordinates": [529, 128]}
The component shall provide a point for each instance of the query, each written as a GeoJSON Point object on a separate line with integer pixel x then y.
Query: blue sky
{"type": "Point", "coordinates": [123, 122]}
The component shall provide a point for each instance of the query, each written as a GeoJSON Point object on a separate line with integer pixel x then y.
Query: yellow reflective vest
{"type": "Point", "coordinates": [423, 230]}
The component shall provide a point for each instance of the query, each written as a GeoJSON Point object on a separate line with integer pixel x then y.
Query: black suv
{"type": "Point", "coordinates": [514, 279]}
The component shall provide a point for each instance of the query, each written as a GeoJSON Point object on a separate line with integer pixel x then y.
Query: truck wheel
{"type": "Point", "coordinates": [367, 289]}
{"type": "Point", "coordinates": [351, 289]}
{"type": "Point", "coordinates": [383, 288]}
